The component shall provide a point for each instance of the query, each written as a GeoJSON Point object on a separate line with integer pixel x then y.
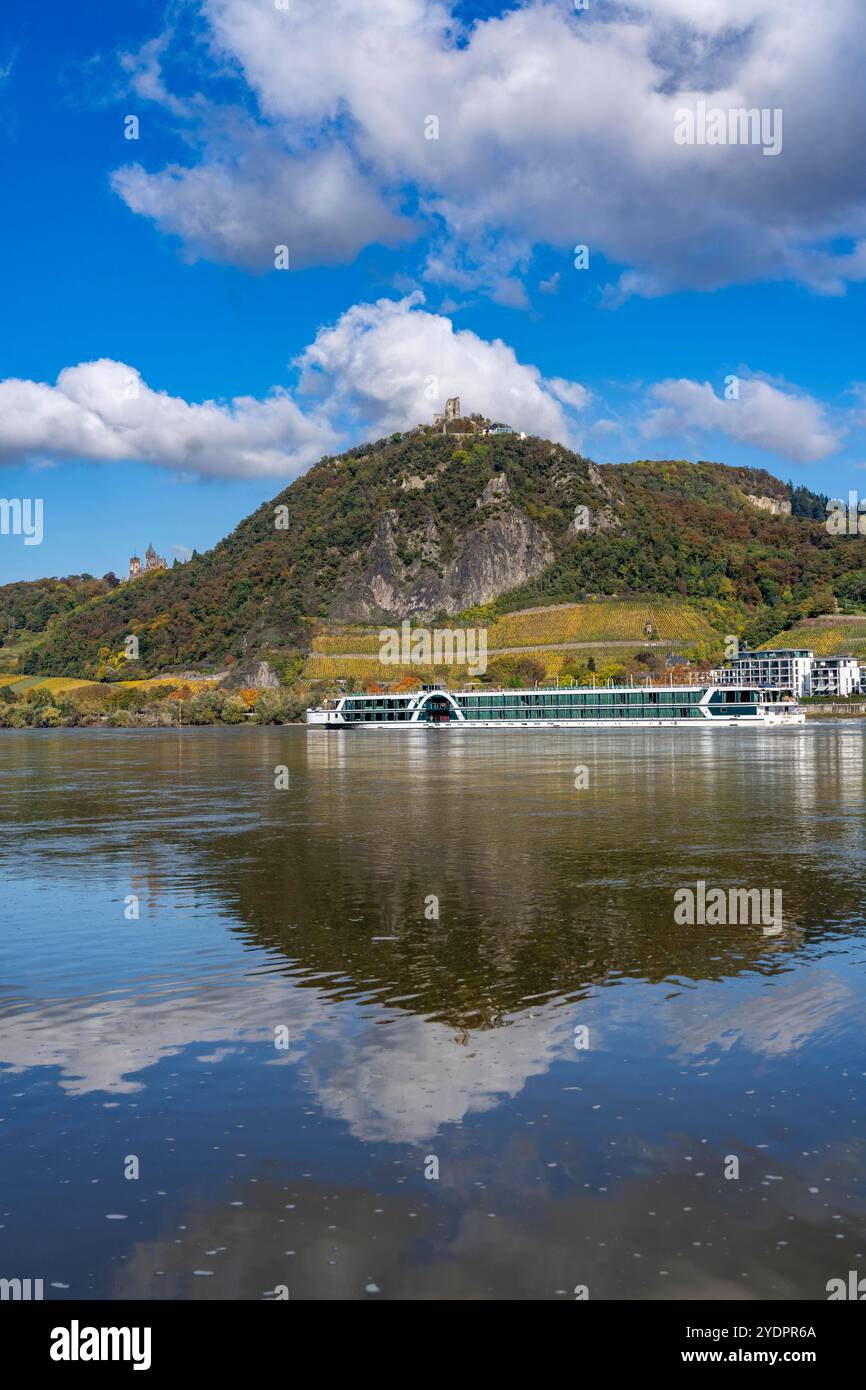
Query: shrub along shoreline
{"type": "Point", "coordinates": [145, 707]}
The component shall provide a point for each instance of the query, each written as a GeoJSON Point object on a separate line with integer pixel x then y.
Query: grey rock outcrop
{"type": "Point", "coordinates": [777, 506]}
{"type": "Point", "coordinates": [496, 491]}
{"type": "Point", "coordinates": [505, 550]}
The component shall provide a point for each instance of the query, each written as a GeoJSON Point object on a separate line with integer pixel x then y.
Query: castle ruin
{"type": "Point", "coordinates": [451, 421]}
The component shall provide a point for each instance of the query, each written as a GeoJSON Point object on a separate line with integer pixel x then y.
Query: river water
{"type": "Point", "coordinates": [411, 1015]}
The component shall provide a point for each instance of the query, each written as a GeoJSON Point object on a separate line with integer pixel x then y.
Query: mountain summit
{"type": "Point", "coordinates": [427, 525]}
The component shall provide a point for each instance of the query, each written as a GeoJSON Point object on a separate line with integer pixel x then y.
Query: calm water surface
{"type": "Point", "coordinates": [306, 913]}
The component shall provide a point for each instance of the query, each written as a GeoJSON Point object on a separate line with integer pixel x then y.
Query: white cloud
{"type": "Point", "coordinates": [104, 411]}
{"type": "Point", "coordinates": [366, 375]}
{"type": "Point", "coordinates": [144, 71]}
{"type": "Point", "coordinates": [379, 360]}
{"type": "Point", "coordinates": [605, 427]}
{"type": "Point", "coordinates": [554, 128]}
{"type": "Point", "coordinates": [381, 367]}
{"type": "Point", "coordinates": [785, 422]}
{"type": "Point", "coordinates": [510, 292]}
{"type": "Point", "coordinates": [319, 206]}
{"type": "Point", "coordinates": [570, 393]}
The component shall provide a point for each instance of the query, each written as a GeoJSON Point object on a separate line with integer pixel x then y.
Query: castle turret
{"type": "Point", "coordinates": [152, 561]}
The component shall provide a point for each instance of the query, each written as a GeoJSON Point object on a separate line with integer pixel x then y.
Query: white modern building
{"type": "Point", "coordinates": [835, 675]}
{"type": "Point", "coordinates": [792, 668]}
{"type": "Point", "coordinates": [787, 668]}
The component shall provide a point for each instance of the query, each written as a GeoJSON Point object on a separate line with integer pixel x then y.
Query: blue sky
{"type": "Point", "coordinates": [411, 258]}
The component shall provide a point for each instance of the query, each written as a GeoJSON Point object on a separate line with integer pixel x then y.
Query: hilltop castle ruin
{"type": "Point", "coordinates": [451, 421]}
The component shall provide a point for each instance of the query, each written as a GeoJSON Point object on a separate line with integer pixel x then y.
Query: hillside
{"type": "Point", "coordinates": [28, 606]}
{"type": "Point", "coordinates": [431, 527]}
{"type": "Point", "coordinates": [561, 640]}
{"type": "Point", "coordinates": [830, 636]}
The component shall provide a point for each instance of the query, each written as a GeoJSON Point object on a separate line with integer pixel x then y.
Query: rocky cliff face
{"type": "Point", "coordinates": [777, 506]}
{"type": "Point", "coordinates": [505, 549]}
{"type": "Point", "coordinates": [255, 675]}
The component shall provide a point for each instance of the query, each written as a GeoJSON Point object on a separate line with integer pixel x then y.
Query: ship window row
{"type": "Point", "coordinates": [357, 706]}
{"type": "Point", "coordinates": [389, 716]}
{"type": "Point", "coordinates": [570, 699]}
{"type": "Point", "coordinates": [479, 711]}
{"type": "Point", "coordinates": [732, 697]}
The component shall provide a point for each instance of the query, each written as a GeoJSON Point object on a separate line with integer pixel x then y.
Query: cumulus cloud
{"type": "Point", "coordinates": [380, 367]}
{"type": "Point", "coordinates": [104, 411]}
{"type": "Point", "coordinates": [393, 363]}
{"type": "Point", "coordinates": [319, 206]}
{"type": "Point", "coordinates": [554, 127]}
{"type": "Point", "coordinates": [782, 421]}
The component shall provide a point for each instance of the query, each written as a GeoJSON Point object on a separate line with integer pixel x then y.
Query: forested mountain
{"type": "Point", "coordinates": [29, 605]}
{"type": "Point", "coordinates": [428, 525]}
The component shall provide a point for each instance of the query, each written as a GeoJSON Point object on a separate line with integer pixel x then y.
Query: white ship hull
{"type": "Point", "coordinates": [582, 708]}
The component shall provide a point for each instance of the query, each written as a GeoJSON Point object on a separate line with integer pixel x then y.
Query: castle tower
{"type": "Point", "coordinates": [152, 561]}
{"type": "Point", "coordinates": [134, 567]}
{"type": "Point", "coordinates": [452, 409]}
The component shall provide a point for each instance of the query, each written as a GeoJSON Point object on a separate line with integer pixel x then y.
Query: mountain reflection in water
{"type": "Point", "coordinates": [412, 1035]}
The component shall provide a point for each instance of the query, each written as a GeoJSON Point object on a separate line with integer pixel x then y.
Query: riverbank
{"type": "Point", "coordinates": [146, 705]}
{"type": "Point", "coordinates": [835, 710]}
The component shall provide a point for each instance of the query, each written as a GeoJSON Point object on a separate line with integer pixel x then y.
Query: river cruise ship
{"type": "Point", "coordinates": [581, 707]}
